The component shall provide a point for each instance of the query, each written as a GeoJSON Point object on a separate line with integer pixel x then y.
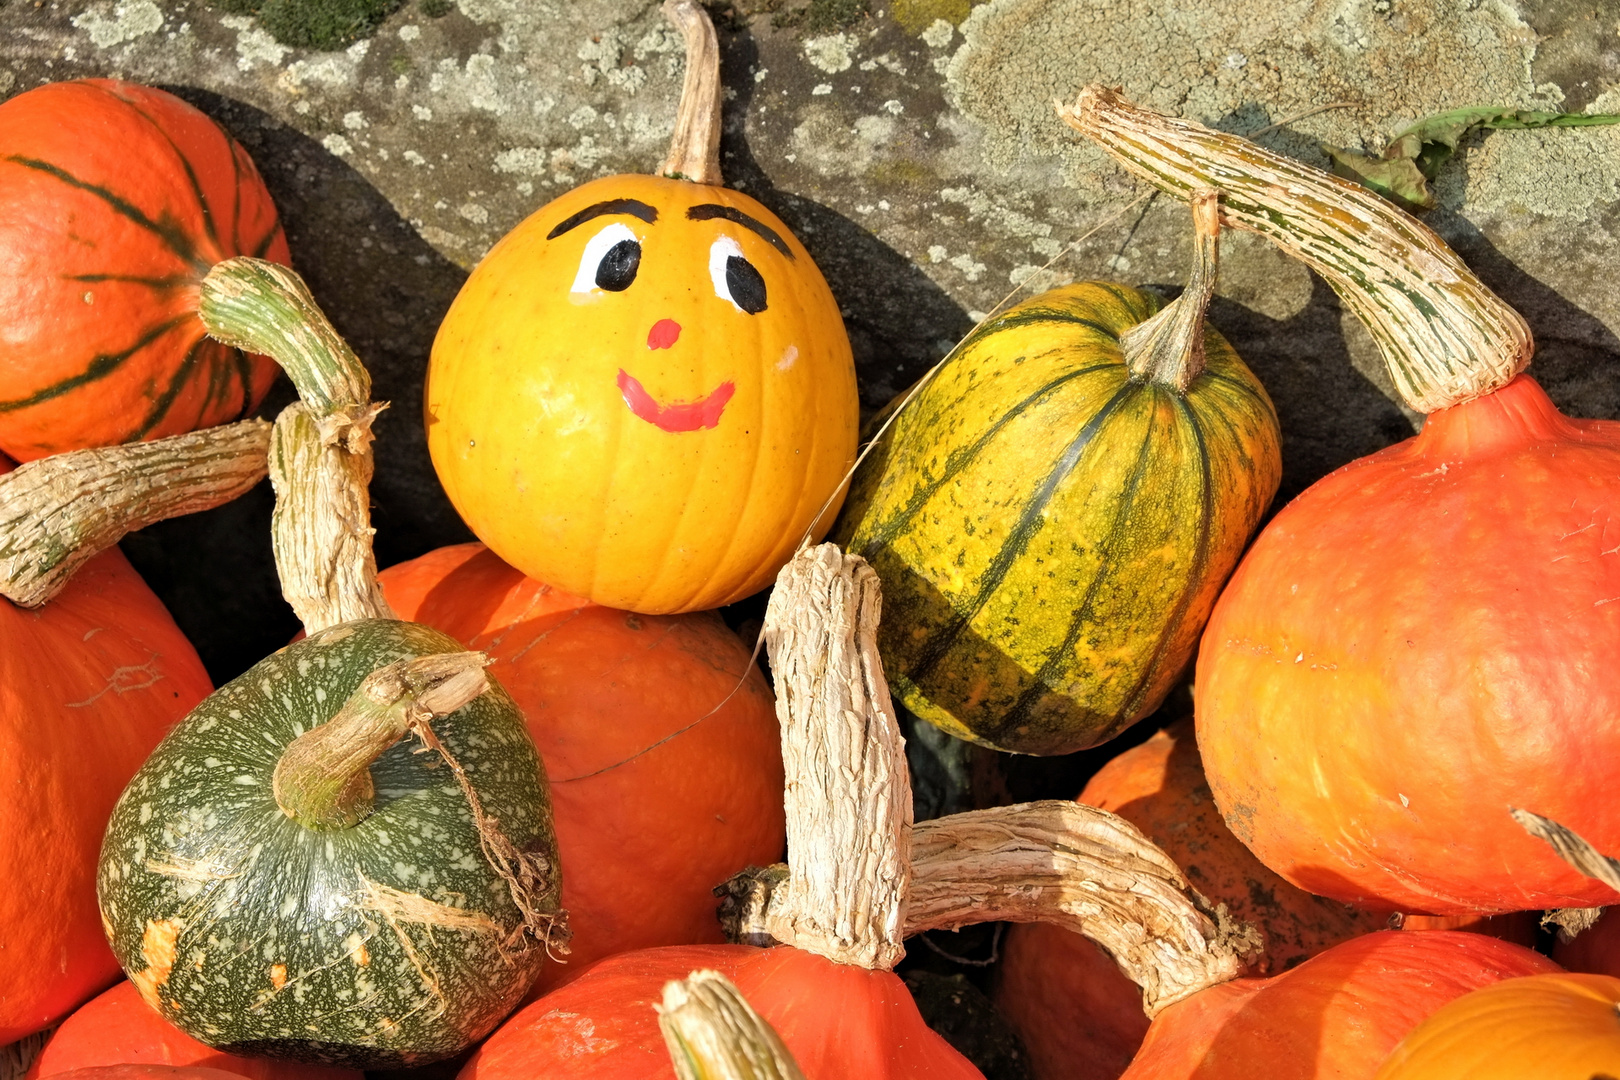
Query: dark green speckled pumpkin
{"type": "Point", "coordinates": [388, 943]}
{"type": "Point", "coordinates": [1054, 513]}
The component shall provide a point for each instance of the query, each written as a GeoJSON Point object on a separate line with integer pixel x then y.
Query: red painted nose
{"type": "Point", "coordinates": [663, 334]}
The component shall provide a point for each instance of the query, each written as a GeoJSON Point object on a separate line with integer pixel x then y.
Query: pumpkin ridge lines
{"type": "Point", "coordinates": [1127, 498]}
{"type": "Point", "coordinates": [1245, 387]}
{"type": "Point", "coordinates": [1195, 576]}
{"type": "Point", "coordinates": [961, 458]}
{"type": "Point", "coordinates": [263, 245]}
{"type": "Point", "coordinates": [185, 162]}
{"type": "Point", "coordinates": [173, 239]}
{"type": "Point", "coordinates": [244, 375]}
{"type": "Point", "coordinates": [173, 281]}
{"type": "Point", "coordinates": [99, 367]}
{"type": "Point", "coordinates": [1019, 535]}
{"type": "Point", "coordinates": [177, 382]}
{"type": "Point", "coordinates": [236, 189]}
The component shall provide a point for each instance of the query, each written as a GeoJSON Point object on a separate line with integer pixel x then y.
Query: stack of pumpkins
{"type": "Point", "coordinates": [372, 847]}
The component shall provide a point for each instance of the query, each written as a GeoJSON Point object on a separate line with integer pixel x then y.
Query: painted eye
{"type": "Point", "coordinates": [735, 278]}
{"type": "Point", "coordinates": [611, 260]}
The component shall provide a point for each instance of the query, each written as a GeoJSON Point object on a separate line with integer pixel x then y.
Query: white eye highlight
{"type": "Point", "coordinates": [610, 261]}
{"type": "Point", "coordinates": [735, 278]}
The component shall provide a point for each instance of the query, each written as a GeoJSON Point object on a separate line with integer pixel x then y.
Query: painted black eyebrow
{"type": "Point", "coordinates": [707, 211]}
{"type": "Point", "coordinates": [633, 207]}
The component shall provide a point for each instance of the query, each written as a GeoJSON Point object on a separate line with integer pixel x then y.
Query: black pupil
{"type": "Point", "coordinates": [747, 287]}
{"type": "Point", "coordinates": [618, 267]}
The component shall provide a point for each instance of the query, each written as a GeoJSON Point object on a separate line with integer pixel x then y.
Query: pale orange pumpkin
{"type": "Point", "coordinates": [1551, 1027]}
{"type": "Point", "coordinates": [644, 394]}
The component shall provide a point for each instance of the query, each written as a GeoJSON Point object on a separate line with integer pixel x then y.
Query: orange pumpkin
{"type": "Point", "coordinates": [1079, 1016]}
{"type": "Point", "coordinates": [88, 686]}
{"type": "Point", "coordinates": [643, 836]}
{"type": "Point", "coordinates": [118, 1028]}
{"type": "Point", "coordinates": [644, 393]}
{"type": "Point", "coordinates": [839, 1021]}
{"type": "Point", "coordinates": [1338, 1015]}
{"type": "Point", "coordinates": [115, 200]}
{"type": "Point", "coordinates": [1595, 950]}
{"type": "Point", "coordinates": [1426, 638]}
{"type": "Point", "coordinates": [1551, 1027]}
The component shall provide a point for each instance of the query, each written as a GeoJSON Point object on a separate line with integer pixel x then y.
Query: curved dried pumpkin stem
{"type": "Point", "coordinates": [861, 877]}
{"type": "Point", "coordinates": [264, 307]}
{"type": "Point", "coordinates": [848, 793]}
{"type": "Point", "coordinates": [1445, 336]}
{"type": "Point", "coordinates": [1571, 847]}
{"type": "Point", "coordinates": [1086, 869]}
{"type": "Point", "coordinates": [694, 149]}
{"type": "Point", "coordinates": [712, 1033]}
{"type": "Point", "coordinates": [58, 512]}
{"type": "Point", "coordinates": [320, 467]}
{"type": "Point", "coordinates": [1169, 347]}
{"type": "Point", "coordinates": [323, 778]}
{"type": "Point", "coordinates": [320, 455]}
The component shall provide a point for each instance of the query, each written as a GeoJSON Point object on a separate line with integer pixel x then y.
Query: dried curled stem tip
{"type": "Point", "coordinates": [694, 149]}
{"type": "Point", "coordinates": [848, 796]}
{"type": "Point", "coordinates": [1445, 336]}
{"type": "Point", "coordinates": [712, 1033]}
{"type": "Point", "coordinates": [1086, 869]}
{"type": "Point", "coordinates": [1571, 847]}
{"type": "Point", "coordinates": [264, 307]}
{"type": "Point", "coordinates": [60, 511]}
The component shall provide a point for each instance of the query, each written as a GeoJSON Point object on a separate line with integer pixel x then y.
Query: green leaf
{"type": "Point", "coordinates": [1415, 156]}
{"type": "Point", "coordinates": [1398, 180]}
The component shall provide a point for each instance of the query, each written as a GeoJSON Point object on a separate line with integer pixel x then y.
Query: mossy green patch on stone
{"type": "Point", "coordinates": [315, 24]}
{"type": "Point", "coordinates": [915, 16]}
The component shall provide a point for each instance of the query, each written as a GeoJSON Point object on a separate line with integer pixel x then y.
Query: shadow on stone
{"type": "Point", "coordinates": [1577, 357]}
{"type": "Point", "coordinates": [897, 331]}
{"type": "Point", "coordinates": [1329, 412]}
{"type": "Point", "coordinates": [386, 290]}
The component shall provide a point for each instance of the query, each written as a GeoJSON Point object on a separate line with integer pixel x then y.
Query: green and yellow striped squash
{"type": "Point", "coordinates": [1051, 530]}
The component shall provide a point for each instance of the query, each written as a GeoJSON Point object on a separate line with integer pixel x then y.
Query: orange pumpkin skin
{"type": "Point", "coordinates": [1551, 1027]}
{"type": "Point", "coordinates": [655, 448]}
{"type": "Point", "coordinates": [1080, 1018]}
{"type": "Point", "coordinates": [1338, 1015]}
{"type": "Point", "coordinates": [115, 200]}
{"type": "Point", "coordinates": [642, 844]}
{"type": "Point", "coordinates": [839, 1021]}
{"type": "Point", "coordinates": [88, 686]}
{"type": "Point", "coordinates": [1518, 927]}
{"type": "Point", "coordinates": [118, 1028]}
{"type": "Point", "coordinates": [1076, 1012]}
{"type": "Point", "coordinates": [1421, 640]}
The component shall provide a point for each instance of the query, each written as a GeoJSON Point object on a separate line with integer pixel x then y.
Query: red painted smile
{"type": "Point", "coordinates": [680, 416]}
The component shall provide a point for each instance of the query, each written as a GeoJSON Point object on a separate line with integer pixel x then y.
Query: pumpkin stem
{"type": "Point", "coordinates": [1571, 847]}
{"type": "Point", "coordinates": [1086, 870]}
{"type": "Point", "coordinates": [323, 778]}
{"type": "Point", "coordinates": [712, 1033]}
{"type": "Point", "coordinates": [1445, 336]}
{"type": "Point", "coordinates": [58, 512]}
{"type": "Point", "coordinates": [320, 455]}
{"type": "Point", "coordinates": [861, 878]}
{"type": "Point", "coordinates": [1169, 347]}
{"type": "Point", "coordinates": [264, 307]}
{"type": "Point", "coordinates": [694, 149]}
{"type": "Point", "coordinates": [848, 795]}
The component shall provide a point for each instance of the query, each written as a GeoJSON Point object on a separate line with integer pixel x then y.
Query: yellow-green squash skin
{"type": "Point", "coordinates": [1052, 531]}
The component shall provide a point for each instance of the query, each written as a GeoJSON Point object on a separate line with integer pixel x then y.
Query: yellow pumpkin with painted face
{"type": "Point", "coordinates": [644, 395]}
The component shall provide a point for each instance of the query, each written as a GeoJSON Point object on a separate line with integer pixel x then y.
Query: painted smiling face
{"type": "Point", "coordinates": [644, 395]}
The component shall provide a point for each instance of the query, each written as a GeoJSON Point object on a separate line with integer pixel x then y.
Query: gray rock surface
{"type": "Point", "coordinates": [915, 151]}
